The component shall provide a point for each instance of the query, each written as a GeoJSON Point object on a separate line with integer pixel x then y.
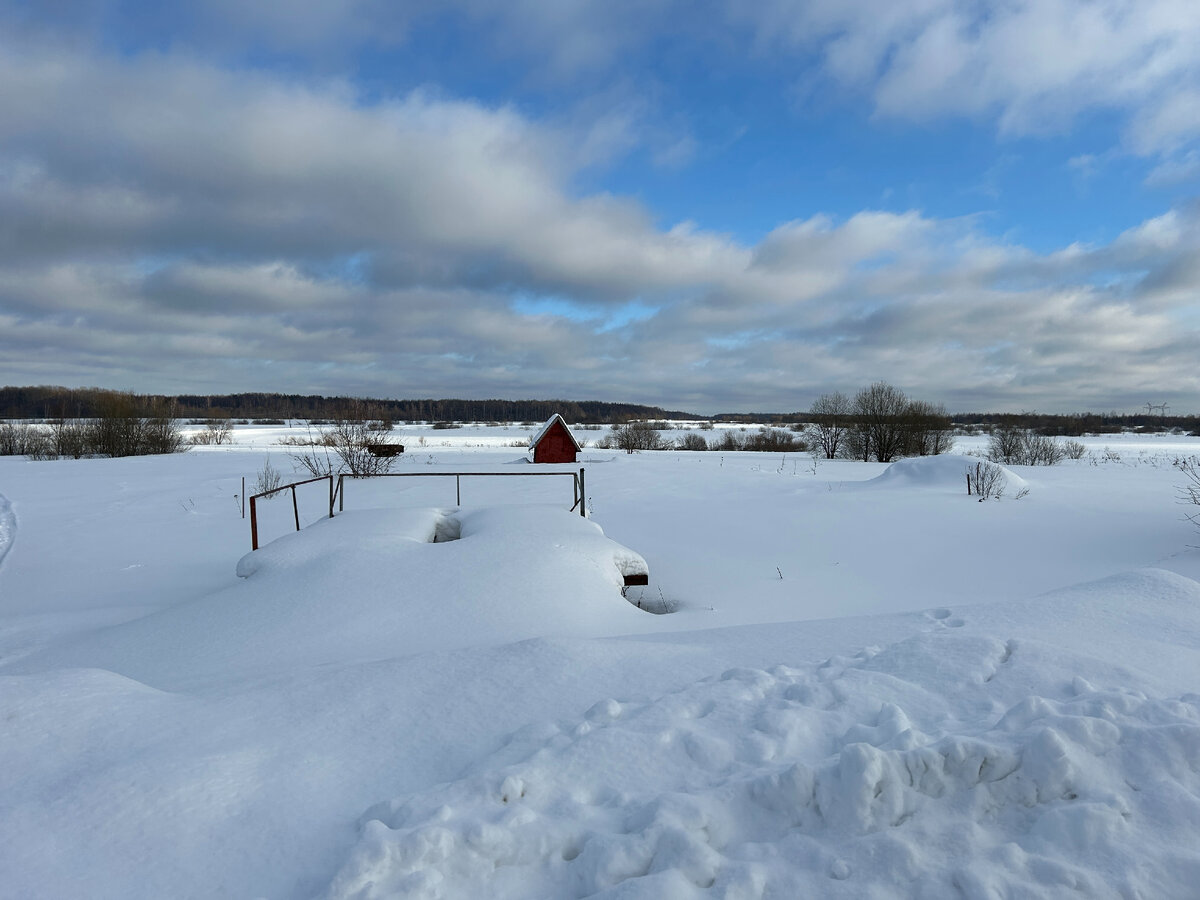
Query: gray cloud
{"type": "Point", "coordinates": [166, 224]}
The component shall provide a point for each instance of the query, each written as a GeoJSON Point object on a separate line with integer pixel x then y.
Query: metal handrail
{"type": "Point", "coordinates": [578, 484]}
{"type": "Point", "coordinates": [338, 493]}
{"type": "Point", "coordinates": [295, 506]}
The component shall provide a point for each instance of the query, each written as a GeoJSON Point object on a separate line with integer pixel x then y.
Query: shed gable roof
{"type": "Point", "coordinates": [537, 438]}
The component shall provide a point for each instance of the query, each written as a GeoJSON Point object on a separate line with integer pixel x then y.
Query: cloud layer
{"type": "Point", "coordinates": [171, 221]}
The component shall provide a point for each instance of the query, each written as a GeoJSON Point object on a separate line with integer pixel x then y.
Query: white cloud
{"type": "Point", "coordinates": [1033, 67]}
{"type": "Point", "coordinates": [163, 221]}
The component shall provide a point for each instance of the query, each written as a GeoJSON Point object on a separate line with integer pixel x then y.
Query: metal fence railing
{"type": "Point", "coordinates": [295, 505]}
{"type": "Point", "coordinates": [337, 491]}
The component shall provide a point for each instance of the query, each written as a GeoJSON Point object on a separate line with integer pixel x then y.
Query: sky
{"type": "Point", "coordinates": [712, 206]}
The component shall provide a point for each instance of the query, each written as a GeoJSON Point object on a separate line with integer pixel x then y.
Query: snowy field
{"type": "Point", "coordinates": [872, 686]}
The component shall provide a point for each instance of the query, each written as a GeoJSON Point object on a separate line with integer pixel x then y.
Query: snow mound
{"type": "Point", "coordinates": [374, 584]}
{"type": "Point", "coordinates": [848, 778]}
{"type": "Point", "coordinates": [948, 470]}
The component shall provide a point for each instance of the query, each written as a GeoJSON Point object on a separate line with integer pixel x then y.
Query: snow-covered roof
{"type": "Point", "coordinates": [537, 438]}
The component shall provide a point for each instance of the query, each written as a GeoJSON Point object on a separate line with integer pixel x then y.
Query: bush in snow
{"type": "Point", "coordinates": [637, 436]}
{"type": "Point", "coordinates": [268, 478]}
{"type": "Point", "coordinates": [774, 440]}
{"type": "Point", "coordinates": [1189, 492]}
{"type": "Point", "coordinates": [1015, 446]}
{"type": "Point", "coordinates": [22, 440]}
{"type": "Point", "coordinates": [1074, 449]}
{"type": "Point", "coordinates": [692, 441]}
{"type": "Point", "coordinates": [216, 431]}
{"type": "Point", "coordinates": [986, 480]}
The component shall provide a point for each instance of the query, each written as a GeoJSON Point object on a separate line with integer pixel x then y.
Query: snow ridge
{"type": "Point", "coordinates": [735, 787]}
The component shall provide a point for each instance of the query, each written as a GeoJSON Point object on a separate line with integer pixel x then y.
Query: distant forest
{"type": "Point", "coordinates": [44, 402]}
{"type": "Point", "coordinates": [57, 402]}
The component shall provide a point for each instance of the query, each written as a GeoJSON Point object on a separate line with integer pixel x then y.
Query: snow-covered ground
{"type": "Point", "coordinates": [873, 686]}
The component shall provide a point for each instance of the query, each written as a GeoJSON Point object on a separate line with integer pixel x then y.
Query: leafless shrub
{"type": "Point", "coordinates": [68, 438]}
{"type": "Point", "coordinates": [1021, 447]}
{"type": "Point", "coordinates": [1074, 449]}
{"type": "Point", "coordinates": [18, 439]}
{"type": "Point", "coordinates": [216, 431]}
{"type": "Point", "coordinates": [986, 481]}
{"type": "Point", "coordinates": [692, 441]}
{"type": "Point", "coordinates": [774, 440]}
{"type": "Point", "coordinates": [729, 441]}
{"type": "Point", "coordinates": [268, 478]}
{"type": "Point", "coordinates": [1189, 491]}
{"type": "Point", "coordinates": [1006, 445]}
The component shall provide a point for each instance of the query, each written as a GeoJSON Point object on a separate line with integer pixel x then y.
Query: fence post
{"type": "Point", "coordinates": [458, 490]}
{"type": "Point", "coordinates": [330, 495]}
{"type": "Point", "coordinates": [341, 492]}
{"type": "Point", "coordinates": [253, 524]}
{"type": "Point", "coordinates": [582, 494]}
{"type": "Point", "coordinates": [295, 508]}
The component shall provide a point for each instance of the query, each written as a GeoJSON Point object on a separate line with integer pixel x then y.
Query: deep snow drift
{"type": "Point", "coordinates": [926, 768]}
{"type": "Point", "coordinates": [376, 584]}
{"type": "Point", "coordinates": [874, 685]}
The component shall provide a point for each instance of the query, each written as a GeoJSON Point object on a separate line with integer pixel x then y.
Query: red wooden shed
{"type": "Point", "coordinates": [554, 443]}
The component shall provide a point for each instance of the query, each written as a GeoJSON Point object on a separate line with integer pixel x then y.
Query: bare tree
{"type": "Point", "coordinates": [1006, 445]}
{"type": "Point", "coordinates": [348, 446]}
{"type": "Point", "coordinates": [831, 417]}
{"type": "Point", "coordinates": [929, 430]}
{"type": "Point", "coordinates": [637, 436]}
{"type": "Point", "coordinates": [879, 419]}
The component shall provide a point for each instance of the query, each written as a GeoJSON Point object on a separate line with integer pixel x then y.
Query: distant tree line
{"type": "Point", "coordinates": [1078, 424]}
{"type": "Point", "coordinates": [59, 402]}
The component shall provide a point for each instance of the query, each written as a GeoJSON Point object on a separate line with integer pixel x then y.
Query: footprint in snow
{"type": "Point", "coordinates": [944, 618]}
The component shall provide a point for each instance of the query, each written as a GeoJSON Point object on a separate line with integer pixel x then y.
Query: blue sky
{"type": "Point", "coordinates": [713, 206]}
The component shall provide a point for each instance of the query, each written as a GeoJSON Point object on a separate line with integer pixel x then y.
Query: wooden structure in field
{"type": "Point", "coordinates": [554, 443]}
